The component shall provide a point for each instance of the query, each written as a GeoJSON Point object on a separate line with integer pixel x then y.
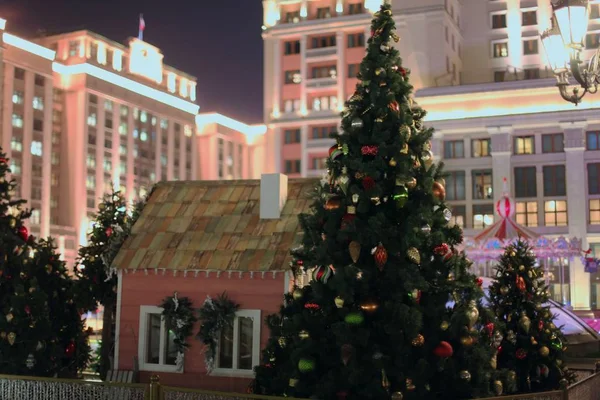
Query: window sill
{"type": "Point", "coordinates": [160, 368]}
{"type": "Point", "coordinates": [233, 373]}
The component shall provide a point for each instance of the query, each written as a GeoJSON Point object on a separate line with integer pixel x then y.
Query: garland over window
{"type": "Point", "coordinates": [215, 314]}
{"type": "Point", "coordinates": [179, 317]}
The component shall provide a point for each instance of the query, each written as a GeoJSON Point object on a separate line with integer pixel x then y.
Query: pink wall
{"type": "Point", "coordinates": [314, 5]}
{"type": "Point", "coordinates": [264, 293]}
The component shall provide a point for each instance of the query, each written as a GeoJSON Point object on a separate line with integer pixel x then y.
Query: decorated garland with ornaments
{"type": "Point", "coordinates": [179, 317]}
{"type": "Point", "coordinates": [215, 314]}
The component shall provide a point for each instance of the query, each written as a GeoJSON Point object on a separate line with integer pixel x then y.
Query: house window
{"type": "Point", "coordinates": [356, 40]}
{"type": "Point", "coordinates": [323, 41]}
{"type": "Point", "coordinates": [459, 214]}
{"type": "Point", "coordinates": [483, 215]}
{"type": "Point", "coordinates": [524, 145]}
{"type": "Point", "coordinates": [38, 125]}
{"type": "Point", "coordinates": [323, 132]}
{"type": "Point", "coordinates": [292, 166]}
{"type": "Point", "coordinates": [554, 180]}
{"type": "Point", "coordinates": [526, 213]}
{"type": "Point", "coordinates": [36, 148]}
{"type": "Point", "coordinates": [454, 149]}
{"type": "Point", "coordinates": [482, 184]}
{"type": "Point", "coordinates": [156, 346]}
{"type": "Point", "coordinates": [525, 182]}
{"type": "Point", "coordinates": [238, 349]}
{"type": "Point", "coordinates": [592, 40]}
{"type": "Point", "coordinates": [319, 163]}
{"type": "Point", "coordinates": [498, 21]}
{"type": "Point", "coordinates": [292, 47]}
{"type": "Point", "coordinates": [292, 17]}
{"type": "Point", "coordinates": [92, 119]}
{"type": "Point", "coordinates": [593, 171]}
{"type": "Point", "coordinates": [594, 211]}
{"type": "Point", "coordinates": [531, 73]}
{"type": "Point", "coordinates": [500, 49]}
{"type": "Point", "coordinates": [355, 8]}
{"type": "Point", "coordinates": [19, 73]}
{"type": "Point", "coordinates": [553, 143]}
{"type": "Point", "coordinates": [594, 11]}
{"type": "Point", "coordinates": [481, 148]}
{"type": "Point", "coordinates": [16, 144]}
{"type": "Point", "coordinates": [455, 185]}
{"type": "Point", "coordinates": [292, 77]}
{"type": "Point", "coordinates": [353, 70]}
{"type": "Point", "coordinates": [17, 121]}
{"type": "Point", "coordinates": [324, 72]}
{"type": "Point", "coordinates": [324, 103]}
{"type": "Point", "coordinates": [323, 12]}
{"type": "Point", "coordinates": [38, 103]}
{"type": "Point", "coordinates": [555, 213]}
{"type": "Point", "coordinates": [17, 97]}
{"type": "Point", "coordinates": [291, 105]}
{"type": "Point", "coordinates": [592, 140]}
{"type": "Point", "coordinates": [529, 18]}
{"type": "Point", "coordinates": [530, 47]}
{"type": "Point", "coordinates": [39, 80]}
{"type": "Point", "coordinates": [499, 76]}
{"type": "Point", "coordinates": [35, 217]}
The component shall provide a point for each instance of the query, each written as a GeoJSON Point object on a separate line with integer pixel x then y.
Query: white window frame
{"type": "Point", "coordinates": [498, 41]}
{"type": "Point", "coordinates": [145, 311]}
{"type": "Point", "coordinates": [256, 326]}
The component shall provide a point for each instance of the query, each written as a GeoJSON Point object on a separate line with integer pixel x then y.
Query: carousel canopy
{"type": "Point", "coordinates": [489, 244]}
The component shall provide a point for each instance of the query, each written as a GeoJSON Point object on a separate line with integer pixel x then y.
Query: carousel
{"type": "Point", "coordinates": [554, 254]}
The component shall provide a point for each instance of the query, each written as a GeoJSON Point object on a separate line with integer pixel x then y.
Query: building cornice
{"type": "Point", "coordinates": [485, 88]}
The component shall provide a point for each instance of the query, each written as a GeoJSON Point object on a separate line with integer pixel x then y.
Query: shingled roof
{"type": "Point", "coordinates": [214, 226]}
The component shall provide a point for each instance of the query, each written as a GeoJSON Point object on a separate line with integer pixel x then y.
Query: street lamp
{"type": "Point", "coordinates": [563, 44]}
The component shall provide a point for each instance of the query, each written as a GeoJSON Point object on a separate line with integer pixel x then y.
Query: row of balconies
{"type": "Point", "coordinates": [276, 14]}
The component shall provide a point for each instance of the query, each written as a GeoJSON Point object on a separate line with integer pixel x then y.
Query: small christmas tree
{"type": "Point", "coordinates": [533, 348]}
{"type": "Point", "coordinates": [376, 321]}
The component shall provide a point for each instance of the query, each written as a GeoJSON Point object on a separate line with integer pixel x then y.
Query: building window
{"type": "Point", "coordinates": [592, 40]}
{"type": "Point", "coordinates": [323, 12]}
{"type": "Point", "coordinates": [555, 213]}
{"type": "Point", "coordinates": [323, 41]}
{"type": "Point", "coordinates": [35, 217]}
{"type": "Point", "coordinates": [19, 73]}
{"type": "Point", "coordinates": [481, 148]}
{"type": "Point", "coordinates": [156, 347]}
{"type": "Point", "coordinates": [530, 46]}
{"type": "Point", "coordinates": [36, 192]}
{"type": "Point", "coordinates": [527, 213]}
{"type": "Point", "coordinates": [38, 125]}
{"type": "Point", "coordinates": [74, 48]}
{"type": "Point", "coordinates": [16, 144]}
{"type": "Point", "coordinates": [292, 47]}
{"type": "Point", "coordinates": [292, 77]}
{"type": "Point", "coordinates": [38, 103]}
{"type": "Point", "coordinates": [353, 70]}
{"type": "Point", "coordinates": [356, 40]}
{"type": "Point", "coordinates": [593, 140]}
{"type": "Point", "coordinates": [319, 163]}
{"type": "Point", "coordinates": [324, 72]}
{"type": "Point", "coordinates": [459, 216]}
{"type": "Point", "coordinates": [454, 149]}
{"type": "Point", "coordinates": [39, 80]}
{"type": "Point", "coordinates": [36, 148]}
{"type": "Point", "coordinates": [499, 76]}
{"type": "Point", "coordinates": [594, 11]}
{"type": "Point", "coordinates": [323, 132]}
{"type": "Point", "coordinates": [525, 182]}
{"type": "Point", "coordinates": [529, 18]}
{"type": "Point", "coordinates": [238, 349]}
{"type": "Point", "coordinates": [291, 105]}
{"type": "Point", "coordinates": [483, 215]}
{"type": "Point", "coordinates": [90, 182]}
{"type": "Point", "coordinates": [554, 180]}
{"type": "Point", "coordinates": [355, 8]}
{"type": "Point", "coordinates": [594, 211]}
{"type": "Point", "coordinates": [482, 184]}
{"type": "Point", "coordinates": [15, 166]}
{"type": "Point", "coordinates": [92, 119]}
{"type": "Point", "coordinates": [17, 121]}
{"type": "Point", "coordinates": [292, 166]}
{"type": "Point", "coordinates": [531, 73]}
{"type": "Point", "coordinates": [553, 143]}
{"type": "Point", "coordinates": [524, 145]}
{"type": "Point", "coordinates": [292, 136]}
{"type": "Point", "coordinates": [593, 171]}
{"type": "Point", "coordinates": [324, 103]}
{"type": "Point", "coordinates": [292, 17]}
{"type": "Point", "coordinates": [17, 97]}
{"type": "Point", "coordinates": [498, 21]}
{"type": "Point", "coordinates": [455, 185]}
{"type": "Point", "coordinates": [500, 49]}
{"type": "Point", "coordinates": [91, 161]}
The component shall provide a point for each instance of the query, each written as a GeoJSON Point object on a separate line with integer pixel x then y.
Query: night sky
{"type": "Point", "coordinates": [201, 37]}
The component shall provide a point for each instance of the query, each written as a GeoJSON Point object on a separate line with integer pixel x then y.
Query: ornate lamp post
{"type": "Point", "coordinates": [563, 44]}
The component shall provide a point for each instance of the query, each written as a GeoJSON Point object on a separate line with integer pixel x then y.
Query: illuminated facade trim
{"type": "Point", "coordinates": [250, 131]}
{"type": "Point", "coordinates": [28, 46]}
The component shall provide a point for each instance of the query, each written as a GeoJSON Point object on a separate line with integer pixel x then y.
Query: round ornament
{"type": "Point", "coordinates": [443, 350]}
{"type": "Point", "coordinates": [23, 232]}
{"type": "Point", "coordinates": [354, 318]}
{"type": "Point", "coordinates": [447, 214]}
{"type": "Point", "coordinates": [544, 351]}
{"type": "Point", "coordinates": [322, 274]}
{"type": "Point", "coordinates": [392, 162]}
{"type": "Point", "coordinates": [418, 341]}
{"type": "Point", "coordinates": [444, 325]}
{"type": "Point", "coordinates": [410, 386]}
{"type": "Point", "coordinates": [426, 229]}
{"type": "Point", "coordinates": [525, 323]}
{"type": "Point", "coordinates": [397, 396]}
{"type": "Point", "coordinates": [465, 375]}
{"type": "Point", "coordinates": [339, 302]}
{"type": "Point", "coordinates": [411, 183]}
{"type": "Point", "coordinates": [503, 290]}
{"type": "Point", "coordinates": [70, 349]}
{"type": "Point", "coordinates": [297, 294]}
{"type": "Point", "coordinates": [498, 388]}
{"type": "Point", "coordinates": [306, 365]}
{"type": "Point", "coordinates": [282, 342]}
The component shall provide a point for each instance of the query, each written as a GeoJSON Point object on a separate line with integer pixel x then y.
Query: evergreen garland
{"type": "Point", "coordinates": [179, 317]}
{"type": "Point", "coordinates": [215, 314]}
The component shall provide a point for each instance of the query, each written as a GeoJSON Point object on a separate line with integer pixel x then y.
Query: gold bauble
{"type": "Point", "coordinates": [494, 362]}
{"type": "Point", "coordinates": [11, 338]}
{"type": "Point", "coordinates": [404, 149]}
{"type": "Point", "coordinates": [521, 268]}
{"type": "Point", "coordinates": [413, 255]}
{"type": "Point", "coordinates": [392, 162]}
{"type": "Point", "coordinates": [12, 222]}
{"type": "Point", "coordinates": [472, 314]}
{"type": "Point", "coordinates": [293, 382]}
{"type": "Point", "coordinates": [511, 376]}
{"type": "Point", "coordinates": [9, 317]}
{"type": "Point", "coordinates": [503, 290]}
{"type": "Point", "coordinates": [303, 334]}
{"type": "Point", "coordinates": [466, 341]}
{"type": "Point", "coordinates": [339, 302]}
{"type": "Point", "coordinates": [418, 341]}
{"type": "Point", "coordinates": [498, 388]}
{"type": "Point", "coordinates": [465, 375]}
{"type": "Point", "coordinates": [444, 325]}
{"type": "Point", "coordinates": [411, 183]}
{"type": "Point", "coordinates": [410, 385]}
{"type": "Point", "coordinates": [282, 342]}
{"type": "Point", "coordinates": [297, 294]}
{"type": "Point", "coordinates": [544, 351]}
{"type": "Point", "coordinates": [397, 396]}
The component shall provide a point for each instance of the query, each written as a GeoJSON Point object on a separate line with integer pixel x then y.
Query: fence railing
{"type": "Point", "coordinates": [34, 388]}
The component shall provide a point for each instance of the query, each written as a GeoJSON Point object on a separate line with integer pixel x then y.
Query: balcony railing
{"type": "Point", "coordinates": [320, 83]}
{"type": "Point", "coordinates": [321, 52]}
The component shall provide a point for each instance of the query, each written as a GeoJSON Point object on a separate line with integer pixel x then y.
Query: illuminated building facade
{"type": "Point", "coordinates": [82, 114]}
{"type": "Point", "coordinates": [488, 93]}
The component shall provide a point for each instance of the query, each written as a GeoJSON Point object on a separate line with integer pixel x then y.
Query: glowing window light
{"type": "Point", "coordinates": [171, 82]}
{"type": "Point", "coordinates": [101, 53]}
{"type": "Point", "coordinates": [183, 87]}
{"type": "Point", "coordinates": [82, 48]}
{"type": "Point", "coordinates": [2, 23]}
{"type": "Point", "coordinates": [339, 7]}
{"type": "Point", "coordinates": [303, 10]}
{"type": "Point", "coordinates": [193, 91]}
{"type": "Point", "coordinates": [117, 62]}
{"type": "Point", "coordinates": [126, 83]}
{"type": "Point", "coordinates": [28, 46]}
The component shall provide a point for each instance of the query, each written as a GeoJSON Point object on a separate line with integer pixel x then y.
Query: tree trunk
{"type": "Point", "coordinates": [107, 338]}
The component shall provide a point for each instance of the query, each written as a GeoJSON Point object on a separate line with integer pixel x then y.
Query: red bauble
{"type": "Point", "coordinates": [70, 349]}
{"type": "Point", "coordinates": [402, 71]}
{"type": "Point", "coordinates": [369, 150]}
{"type": "Point", "coordinates": [109, 231]}
{"type": "Point", "coordinates": [443, 350]}
{"type": "Point", "coordinates": [394, 106]}
{"type": "Point", "coordinates": [541, 325]}
{"type": "Point", "coordinates": [443, 250]}
{"type": "Point", "coordinates": [521, 354]}
{"type": "Point", "coordinates": [489, 327]}
{"type": "Point", "coordinates": [521, 283]}
{"type": "Point", "coordinates": [23, 232]}
{"type": "Point", "coordinates": [368, 183]}
{"type": "Point", "coordinates": [380, 255]}
{"type": "Point", "coordinates": [479, 282]}
{"type": "Point", "coordinates": [27, 310]}
{"type": "Point", "coordinates": [347, 219]}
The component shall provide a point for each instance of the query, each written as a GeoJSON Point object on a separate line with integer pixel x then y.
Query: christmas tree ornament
{"type": "Point", "coordinates": [413, 255]}
{"type": "Point", "coordinates": [427, 158]}
{"type": "Point", "coordinates": [543, 370]}
{"type": "Point", "coordinates": [556, 344]}
{"type": "Point", "coordinates": [415, 294]}
{"type": "Point", "coordinates": [397, 396]}
{"type": "Point", "coordinates": [521, 268]}
{"type": "Point", "coordinates": [376, 200]}
{"type": "Point", "coordinates": [385, 47]}
{"type": "Point", "coordinates": [410, 386]}
{"type": "Point", "coordinates": [418, 341]}
{"type": "Point", "coordinates": [306, 365]}
{"type": "Point", "coordinates": [303, 334]}
{"type": "Point", "coordinates": [426, 229]}
{"type": "Point", "coordinates": [533, 341]}
{"type": "Point", "coordinates": [346, 352]}
{"type": "Point", "coordinates": [354, 318]}
{"type": "Point", "coordinates": [380, 255]}
{"type": "Point", "coordinates": [439, 192]}
{"type": "Point", "coordinates": [465, 375]}
{"type": "Point", "coordinates": [322, 274]}
{"type": "Point", "coordinates": [520, 282]}
{"type": "Point", "coordinates": [404, 149]}
{"type": "Point", "coordinates": [18, 250]}
{"type": "Point", "coordinates": [544, 351]}
{"type": "Point", "coordinates": [494, 361]}
{"type": "Point", "coordinates": [467, 341]}
{"type": "Point", "coordinates": [443, 350]}
{"type": "Point", "coordinates": [312, 306]}
{"type": "Point", "coordinates": [497, 341]}
{"type": "Point", "coordinates": [394, 106]}
{"type": "Point", "coordinates": [297, 294]}
{"type": "Point", "coordinates": [343, 181]}
{"type": "Point", "coordinates": [293, 382]}
{"type": "Point", "coordinates": [521, 354]}
{"type": "Point", "coordinates": [11, 337]}
{"type": "Point", "coordinates": [23, 232]}
{"type": "Point", "coordinates": [48, 268]}
{"type": "Point", "coordinates": [400, 196]}
{"type": "Point", "coordinates": [369, 306]}
{"type": "Point", "coordinates": [109, 231]}
{"type": "Point", "coordinates": [12, 223]}
{"type": "Point", "coordinates": [355, 198]}
{"type": "Point", "coordinates": [392, 162]}
{"type": "Point", "coordinates": [479, 281]}
{"type": "Point", "coordinates": [354, 248]}
{"type": "Point", "coordinates": [70, 349]}
{"type": "Point", "coordinates": [282, 342]}
{"type": "Point", "coordinates": [380, 71]}
{"type": "Point", "coordinates": [369, 150]}
{"type": "Point", "coordinates": [472, 313]}
{"type": "Point", "coordinates": [444, 325]}
{"type": "Point", "coordinates": [333, 203]}
{"type": "Point", "coordinates": [385, 383]}
{"type": "Point", "coordinates": [498, 388]}
{"type": "Point", "coordinates": [339, 302]}
{"type": "Point", "coordinates": [489, 328]}
{"type": "Point", "coordinates": [30, 362]}
{"type": "Point", "coordinates": [368, 183]}
{"type": "Point", "coordinates": [525, 322]}
{"type": "Point", "coordinates": [447, 214]}
{"type": "Point", "coordinates": [335, 152]}
{"type": "Point", "coordinates": [503, 290]}
{"type": "Point", "coordinates": [357, 123]}
{"type": "Point", "coordinates": [9, 317]}
{"type": "Point", "coordinates": [444, 251]}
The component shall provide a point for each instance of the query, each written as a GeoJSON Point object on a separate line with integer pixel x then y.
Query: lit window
{"type": "Point", "coordinates": [92, 119]}
{"type": "Point", "coordinates": [239, 344]}
{"type": "Point", "coordinates": [123, 128]}
{"type": "Point", "coordinates": [163, 160]}
{"type": "Point", "coordinates": [527, 213]}
{"type": "Point", "coordinates": [38, 103]}
{"type": "Point", "coordinates": [101, 56]}
{"type": "Point", "coordinates": [90, 182]}
{"type": "Point", "coordinates": [123, 150]}
{"type": "Point", "coordinates": [164, 124]}
{"type": "Point", "coordinates": [91, 161]}
{"type": "Point", "coordinates": [153, 121]}
{"type": "Point", "coordinates": [156, 347]}
{"type": "Point", "coordinates": [108, 105]}
{"type": "Point", "coordinates": [193, 91]}
{"type": "Point", "coordinates": [458, 216]}
{"type": "Point", "coordinates": [117, 61]}
{"type": "Point", "coordinates": [171, 82]}
{"type": "Point", "coordinates": [483, 216]}
{"type": "Point", "coordinates": [183, 87]}
{"type": "Point", "coordinates": [136, 133]}
{"type": "Point", "coordinates": [123, 168]}
{"type": "Point", "coordinates": [143, 116]}
{"type": "Point", "coordinates": [595, 211]}
{"type": "Point", "coordinates": [17, 97]}
{"type": "Point", "coordinates": [555, 213]}
{"type": "Point", "coordinates": [35, 217]}
{"type": "Point", "coordinates": [15, 166]}
{"type": "Point", "coordinates": [524, 145]}
{"type": "Point", "coordinates": [36, 148]}
{"type": "Point", "coordinates": [187, 130]}
{"type": "Point", "coordinates": [480, 148]}
{"type": "Point", "coordinates": [293, 77]}
{"type": "Point", "coordinates": [16, 144]}
{"type": "Point", "coordinates": [143, 136]}
{"type": "Point", "coordinates": [54, 159]}
{"type": "Point", "coordinates": [107, 166]}
{"type": "Point", "coordinates": [482, 184]}
{"type": "Point", "coordinates": [500, 49]}
{"type": "Point", "coordinates": [17, 121]}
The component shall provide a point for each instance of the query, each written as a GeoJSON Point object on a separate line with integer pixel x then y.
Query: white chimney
{"type": "Point", "coordinates": [273, 195]}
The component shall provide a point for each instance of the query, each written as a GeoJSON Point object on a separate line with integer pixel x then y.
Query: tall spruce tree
{"type": "Point", "coordinates": [533, 349]}
{"type": "Point", "coordinates": [392, 311]}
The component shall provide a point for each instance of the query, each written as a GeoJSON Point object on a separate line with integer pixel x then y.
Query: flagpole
{"type": "Point", "coordinates": [141, 27]}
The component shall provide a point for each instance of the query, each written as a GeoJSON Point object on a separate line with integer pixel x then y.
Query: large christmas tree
{"type": "Point", "coordinates": [533, 349]}
{"type": "Point", "coordinates": [392, 311]}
